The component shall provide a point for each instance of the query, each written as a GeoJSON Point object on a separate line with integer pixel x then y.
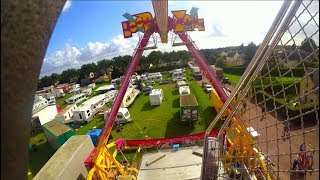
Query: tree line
{"type": "Point", "coordinates": [118, 65]}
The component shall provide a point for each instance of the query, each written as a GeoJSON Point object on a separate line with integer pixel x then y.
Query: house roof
{"type": "Point", "coordinates": [293, 55]}
{"type": "Point", "coordinates": [231, 54]}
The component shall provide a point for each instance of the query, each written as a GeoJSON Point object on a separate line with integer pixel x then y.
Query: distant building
{"type": "Point", "coordinates": [308, 85]}
{"type": "Point", "coordinates": [218, 72]}
{"type": "Point", "coordinates": [290, 58]}
{"type": "Point", "coordinates": [234, 58]}
{"type": "Point", "coordinates": [65, 87]}
{"type": "Point", "coordinates": [48, 89]}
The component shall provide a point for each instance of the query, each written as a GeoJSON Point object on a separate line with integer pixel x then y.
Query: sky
{"type": "Point", "coordinates": [89, 31]}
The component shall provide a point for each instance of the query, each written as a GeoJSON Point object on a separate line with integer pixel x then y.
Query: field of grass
{"type": "Point", "coordinates": [152, 121]}
{"type": "Point", "coordinates": [61, 100]}
{"type": "Point", "coordinates": [284, 80]}
{"type": "Point", "coordinates": [39, 158]}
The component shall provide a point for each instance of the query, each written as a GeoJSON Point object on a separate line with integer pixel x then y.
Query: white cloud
{"type": "Point", "coordinates": [67, 6]}
{"type": "Point", "coordinates": [227, 23]}
{"type": "Point", "coordinates": [72, 56]}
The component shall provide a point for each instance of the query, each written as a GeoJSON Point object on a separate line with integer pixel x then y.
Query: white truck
{"type": "Point", "coordinates": [123, 115]}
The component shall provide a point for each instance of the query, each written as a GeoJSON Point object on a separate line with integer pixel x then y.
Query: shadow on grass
{"type": "Point", "coordinates": [208, 115]}
{"type": "Point", "coordinates": [176, 103]}
{"type": "Point", "coordinates": [40, 157]}
{"type": "Point", "coordinates": [175, 92]}
{"type": "Point", "coordinates": [175, 127]}
{"type": "Point", "coordinates": [147, 107]}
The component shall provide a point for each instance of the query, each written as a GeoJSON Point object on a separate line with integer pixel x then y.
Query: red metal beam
{"type": "Point", "coordinates": [118, 100]}
{"type": "Point", "coordinates": [204, 66]}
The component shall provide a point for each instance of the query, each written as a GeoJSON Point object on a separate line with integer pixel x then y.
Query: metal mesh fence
{"type": "Point", "coordinates": [272, 131]}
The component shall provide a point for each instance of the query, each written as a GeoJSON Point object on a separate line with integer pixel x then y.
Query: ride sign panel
{"type": "Point", "coordinates": [136, 22]}
{"type": "Point", "coordinates": [186, 22]}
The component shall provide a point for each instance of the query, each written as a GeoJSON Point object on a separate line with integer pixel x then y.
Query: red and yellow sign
{"type": "Point", "coordinates": [185, 22]}
{"type": "Point", "coordinates": [141, 21]}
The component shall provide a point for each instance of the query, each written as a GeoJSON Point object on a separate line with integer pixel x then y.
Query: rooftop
{"type": "Point", "coordinates": [155, 92]}
{"type": "Point", "coordinates": [94, 99]}
{"type": "Point", "coordinates": [64, 110]}
{"type": "Point", "coordinates": [56, 127]}
{"type": "Point", "coordinates": [188, 100]}
{"type": "Point", "coordinates": [106, 87]}
{"type": "Point", "coordinates": [181, 164]}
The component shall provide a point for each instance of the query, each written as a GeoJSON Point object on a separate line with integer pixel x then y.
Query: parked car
{"type": "Point", "coordinates": [178, 79]}
{"type": "Point", "coordinates": [226, 81]}
{"type": "Point", "coordinates": [147, 89]}
{"type": "Point", "coordinates": [208, 88]}
{"type": "Point", "coordinates": [151, 82]}
{"type": "Point", "coordinates": [164, 81]}
{"type": "Point", "coordinates": [203, 84]}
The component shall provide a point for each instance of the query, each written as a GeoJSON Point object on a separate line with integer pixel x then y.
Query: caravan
{"type": "Point", "coordinates": [156, 97]}
{"type": "Point", "coordinates": [76, 98]}
{"type": "Point", "coordinates": [82, 114]}
{"type": "Point", "coordinates": [154, 76]}
{"type": "Point", "coordinates": [123, 115]}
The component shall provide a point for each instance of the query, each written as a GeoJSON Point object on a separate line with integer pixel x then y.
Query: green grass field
{"type": "Point", "coordinates": [152, 121]}
{"type": "Point", "coordinates": [61, 101]}
{"type": "Point", "coordinates": [39, 158]}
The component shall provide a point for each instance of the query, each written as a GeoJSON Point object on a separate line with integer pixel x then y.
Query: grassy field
{"type": "Point", "coordinates": [284, 80]}
{"type": "Point", "coordinates": [152, 121]}
{"type": "Point", "coordinates": [39, 158]}
{"type": "Point", "coordinates": [61, 100]}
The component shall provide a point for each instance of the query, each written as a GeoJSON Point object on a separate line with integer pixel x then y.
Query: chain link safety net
{"type": "Point", "coordinates": [272, 129]}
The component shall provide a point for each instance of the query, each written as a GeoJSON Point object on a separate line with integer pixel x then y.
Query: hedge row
{"type": "Point", "coordinates": [297, 72]}
{"type": "Point", "coordinates": [161, 69]}
{"type": "Point", "coordinates": [282, 112]}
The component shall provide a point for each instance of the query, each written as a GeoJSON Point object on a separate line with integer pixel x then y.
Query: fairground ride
{"type": "Point", "coordinates": [238, 151]}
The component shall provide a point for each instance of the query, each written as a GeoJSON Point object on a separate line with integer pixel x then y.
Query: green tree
{"type": "Point", "coordinates": [249, 52]}
{"type": "Point", "coordinates": [70, 75]}
{"type": "Point", "coordinates": [308, 45]}
{"type": "Point", "coordinates": [86, 69]}
{"type": "Point", "coordinates": [220, 62]}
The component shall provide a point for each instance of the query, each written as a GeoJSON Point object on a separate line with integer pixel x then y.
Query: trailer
{"type": "Point", "coordinates": [154, 76]}
{"type": "Point", "coordinates": [66, 115]}
{"type": "Point", "coordinates": [188, 108]}
{"type": "Point", "coordinates": [218, 72]}
{"type": "Point", "coordinates": [57, 133]}
{"type": "Point", "coordinates": [123, 115]}
{"type": "Point", "coordinates": [156, 97]}
{"type": "Point", "coordinates": [83, 113]}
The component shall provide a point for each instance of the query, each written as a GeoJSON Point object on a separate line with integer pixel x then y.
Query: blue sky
{"type": "Point", "coordinates": [89, 31]}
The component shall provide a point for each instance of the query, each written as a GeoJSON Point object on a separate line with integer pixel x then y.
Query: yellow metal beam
{"type": "Point", "coordinates": [160, 8]}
